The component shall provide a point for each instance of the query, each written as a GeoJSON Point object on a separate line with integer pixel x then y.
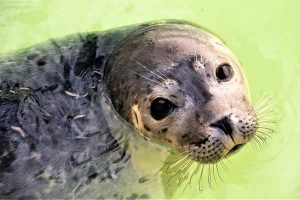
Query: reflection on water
{"type": "Point", "coordinates": [265, 38]}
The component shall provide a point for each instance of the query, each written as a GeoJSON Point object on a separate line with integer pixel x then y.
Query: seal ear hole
{"type": "Point", "coordinates": [224, 72]}
{"type": "Point", "coordinates": [161, 108]}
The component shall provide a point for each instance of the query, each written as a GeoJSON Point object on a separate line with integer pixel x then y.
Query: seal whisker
{"type": "Point", "coordinates": [144, 76]}
{"type": "Point", "coordinates": [186, 170]}
{"type": "Point", "coordinates": [184, 152]}
{"type": "Point", "coordinates": [167, 151]}
{"type": "Point", "coordinates": [261, 105]}
{"type": "Point", "coordinates": [258, 142]}
{"type": "Point", "coordinates": [178, 172]}
{"type": "Point", "coordinates": [187, 183]}
{"type": "Point", "coordinates": [253, 143]}
{"type": "Point", "coordinates": [174, 175]}
{"type": "Point", "coordinates": [266, 121]}
{"type": "Point", "coordinates": [200, 178]}
{"type": "Point", "coordinates": [228, 161]}
{"type": "Point", "coordinates": [261, 138]}
{"type": "Point", "coordinates": [193, 174]}
{"type": "Point", "coordinates": [264, 133]}
{"type": "Point", "coordinates": [209, 177]}
{"type": "Point", "coordinates": [266, 128]}
{"type": "Point", "coordinates": [265, 113]}
{"type": "Point", "coordinates": [185, 164]}
{"type": "Point", "coordinates": [223, 164]}
{"type": "Point", "coordinates": [263, 109]}
{"type": "Point", "coordinates": [265, 118]}
{"type": "Point", "coordinates": [149, 70]}
{"type": "Point", "coordinates": [213, 172]}
{"type": "Point", "coordinates": [160, 74]}
{"type": "Point", "coordinates": [263, 101]}
{"type": "Point", "coordinates": [217, 166]}
{"type": "Point", "coordinates": [178, 162]}
{"type": "Point", "coordinates": [160, 170]}
{"type": "Point", "coordinates": [264, 141]}
{"type": "Point", "coordinates": [259, 109]}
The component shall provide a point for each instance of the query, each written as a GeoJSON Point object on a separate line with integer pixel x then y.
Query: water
{"type": "Point", "coordinates": [264, 36]}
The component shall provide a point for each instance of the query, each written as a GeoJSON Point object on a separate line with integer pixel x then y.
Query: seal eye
{"type": "Point", "coordinates": [224, 72]}
{"type": "Point", "coordinates": [160, 108]}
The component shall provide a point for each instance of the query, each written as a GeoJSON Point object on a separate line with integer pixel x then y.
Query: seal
{"type": "Point", "coordinates": [172, 82]}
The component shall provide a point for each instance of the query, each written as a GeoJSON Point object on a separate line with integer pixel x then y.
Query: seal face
{"type": "Point", "coordinates": [182, 86]}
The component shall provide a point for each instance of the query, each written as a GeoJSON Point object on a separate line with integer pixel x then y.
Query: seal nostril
{"type": "Point", "coordinates": [224, 125]}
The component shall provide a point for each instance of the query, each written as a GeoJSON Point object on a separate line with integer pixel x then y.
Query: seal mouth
{"type": "Point", "coordinates": [234, 149]}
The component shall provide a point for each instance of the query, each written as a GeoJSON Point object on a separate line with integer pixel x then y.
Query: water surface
{"type": "Point", "coordinates": [265, 36]}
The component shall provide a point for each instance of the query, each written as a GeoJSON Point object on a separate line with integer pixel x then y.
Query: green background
{"type": "Point", "coordinates": [264, 35]}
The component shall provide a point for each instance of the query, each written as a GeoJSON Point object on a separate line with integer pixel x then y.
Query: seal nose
{"type": "Point", "coordinates": [223, 124]}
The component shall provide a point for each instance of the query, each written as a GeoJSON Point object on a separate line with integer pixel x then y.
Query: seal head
{"type": "Point", "coordinates": [182, 86]}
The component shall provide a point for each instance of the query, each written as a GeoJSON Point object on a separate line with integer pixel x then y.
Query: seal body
{"type": "Point", "coordinates": [55, 140]}
{"type": "Point", "coordinates": [62, 104]}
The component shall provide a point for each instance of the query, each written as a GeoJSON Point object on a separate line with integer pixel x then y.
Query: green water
{"type": "Point", "coordinates": [264, 35]}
